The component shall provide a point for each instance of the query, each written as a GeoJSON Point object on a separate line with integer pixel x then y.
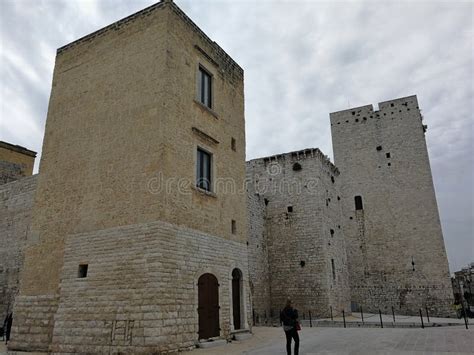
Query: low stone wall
{"type": "Point", "coordinates": [33, 322]}
{"type": "Point", "coordinates": [141, 294]}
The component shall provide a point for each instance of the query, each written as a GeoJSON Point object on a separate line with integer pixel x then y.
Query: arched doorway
{"type": "Point", "coordinates": [208, 306]}
{"type": "Point", "coordinates": [237, 298]}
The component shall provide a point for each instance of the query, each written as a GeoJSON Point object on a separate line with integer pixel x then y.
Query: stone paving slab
{"type": "Point", "coordinates": [349, 341]}
{"type": "Point", "coordinates": [355, 341]}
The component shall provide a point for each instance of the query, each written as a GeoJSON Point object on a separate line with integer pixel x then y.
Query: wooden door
{"type": "Point", "coordinates": [208, 306]}
{"type": "Point", "coordinates": [236, 281]}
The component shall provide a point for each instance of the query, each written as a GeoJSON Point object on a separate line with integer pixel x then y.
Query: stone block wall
{"type": "Point", "coordinates": [15, 162]}
{"type": "Point", "coordinates": [300, 192]}
{"type": "Point", "coordinates": [394, 243]}
{"type": "Point", "coordinates": [16, 203]}
{"type": "Point", "coordinates": [140, 293]}
{"type": "Point", "coordinates": [33, 320]}
{"type": "Point", "coordinates": [10, 172]}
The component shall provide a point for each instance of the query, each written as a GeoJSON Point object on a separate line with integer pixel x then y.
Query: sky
{"type": "Point", "coordinates": [302, 60]}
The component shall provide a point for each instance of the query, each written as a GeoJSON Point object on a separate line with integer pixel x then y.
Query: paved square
{"type": "Point", "coordinates": [270, 341]}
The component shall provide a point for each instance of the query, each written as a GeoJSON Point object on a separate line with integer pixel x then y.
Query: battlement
{"type": "Point", "coordinates": [222, 59]}
{"type": "Point", "coordinates": [367, 112]}
{"type": "Point", "coordinates": [307, 153]}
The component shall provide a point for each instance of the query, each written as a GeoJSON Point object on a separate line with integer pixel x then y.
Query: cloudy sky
{"type": "Point", "coordinates": [302, 60]}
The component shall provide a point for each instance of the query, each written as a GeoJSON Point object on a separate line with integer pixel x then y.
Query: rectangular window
{"type": "Point", "coordinates": [82, 272]}
{"type": "Point", "coordinates": [358, 203]}
{"type": "Point", "coordinates": [234, 227]}
{"type": "Point", "coordinates": [205, 87]}
{"type": "Point", "coordinates": [203, 170]}
{"type": "Point", "coordinates": [233, 144]}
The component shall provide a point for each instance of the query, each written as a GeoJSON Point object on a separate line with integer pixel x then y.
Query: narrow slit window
{"type": "Point", "coordinates": [205, 87]}
{"type": "Point", "coordinates": [203, 170]}
{"type": "Point", "coordinates": [333, 269]}
{"type": "Point", "coordinates": [233, 144]}
{"type": "Point", "coordinates": [234, 227]}
{"type": "Point", "coordinates": [82, 272]}
{"type": "Point", "coordinates": [358, 203]}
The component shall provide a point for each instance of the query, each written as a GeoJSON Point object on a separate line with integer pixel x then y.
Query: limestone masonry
{"type": "Point", "coordinates": [146, 231]}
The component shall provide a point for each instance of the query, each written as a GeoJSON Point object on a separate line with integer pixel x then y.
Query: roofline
{"type": "Point", "coordinates": [380, 103]}
{"type": "Point", "coordinates": [18, 149]}
{"type": "Point", "coordinates": [119, 23]}
{"type": "Point", "coordinates": [298, 152]}
{"type": "Point", "coordinates": [113, 25]}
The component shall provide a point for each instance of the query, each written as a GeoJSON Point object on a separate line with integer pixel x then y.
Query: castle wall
{"type": "Point", "coordinates": [16, 203]}
{"type": "Point", "coordinates": [301, 209]}
{"type": "Point", "coordinates": [258, 252]}
{"type": "Point", "coordinates": [383, 158]}
{"type": "Point", "coordinates": [120, 147]}
{"type": "Point", "coordinates": [140, 293]}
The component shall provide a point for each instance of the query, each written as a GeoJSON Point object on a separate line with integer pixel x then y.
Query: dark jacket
{"type": "Point", "coordinates": [289, 316]}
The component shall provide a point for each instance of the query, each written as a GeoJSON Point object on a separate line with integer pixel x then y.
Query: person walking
{"type": "Point", "coordinates": [289, 318]}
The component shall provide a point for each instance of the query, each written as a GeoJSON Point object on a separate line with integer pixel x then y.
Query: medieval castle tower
{"type": "Point", "coordinates": [132, 243]}
{"type": "Point", "coordinates": [394, 241]}
{"type": "Point", "coordinates": [138, 236]}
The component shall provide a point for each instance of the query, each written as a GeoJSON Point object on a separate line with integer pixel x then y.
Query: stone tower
{"type": "Point", "coordinates": [394, 243]}
{"type": "Point", "coordinates": [134, 246]}
{"type": "Point", "coordinates": [296, 244]}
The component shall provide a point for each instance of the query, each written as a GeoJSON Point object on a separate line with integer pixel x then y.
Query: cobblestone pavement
{"type": "Point", "coordinates": [270, 341]}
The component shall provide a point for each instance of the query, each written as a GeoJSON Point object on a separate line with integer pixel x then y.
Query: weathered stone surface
{"type": "Point", "coordinates": [140, 292]}
{"type": "Point", "coordinates": [383, 158]}
{"type": "Point", "coordinates": [119, 155]}
{"type": "Point", "coordinates": [295, 234]}
{"type": "Point", "coordinates": [16, 202]}
{"type": "Point", "coordinates": [15, 162]}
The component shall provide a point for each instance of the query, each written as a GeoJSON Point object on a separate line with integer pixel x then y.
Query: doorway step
{"type": "Point", "coordinates": [210, 343]}
{"type": "Point", "coordinates": [241, 334]}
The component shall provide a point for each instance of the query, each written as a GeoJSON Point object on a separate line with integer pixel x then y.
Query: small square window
{"type": "Point", "coordinates": [205, 87]}
{"type": "Point", "coordinates": [234, 227]}
{"type": "Point", "coordinates": [82, 273]}
{"type": "Point", "coordinates": [387, 155]}
{"type": "Point", "coordinates": [233, 144]}
{"type": "Point", "coordinates": [290, 209]}
{"type": "Point", "coordinates": [203, 170]}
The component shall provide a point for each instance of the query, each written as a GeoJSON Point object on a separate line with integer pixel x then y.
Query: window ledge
{"type": "Point", "coordinates": [204, 192]}
{"type": "Point", "coordinates": [205, 108]}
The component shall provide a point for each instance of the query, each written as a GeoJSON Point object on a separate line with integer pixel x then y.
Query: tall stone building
{"type": "Point", "coordinates": [394, 241]}
{"type": "Point", "coordinates": [134, 246]}
{"type": "Point", "coordinates": [296, 242]}
{"type": "Point", "coordinates": [363, 233]}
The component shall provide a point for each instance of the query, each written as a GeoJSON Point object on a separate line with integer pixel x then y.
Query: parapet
{"type": "Point", "coordinates": [307, 153]}
{"type": "Point", "coordinates": [363, 113]}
